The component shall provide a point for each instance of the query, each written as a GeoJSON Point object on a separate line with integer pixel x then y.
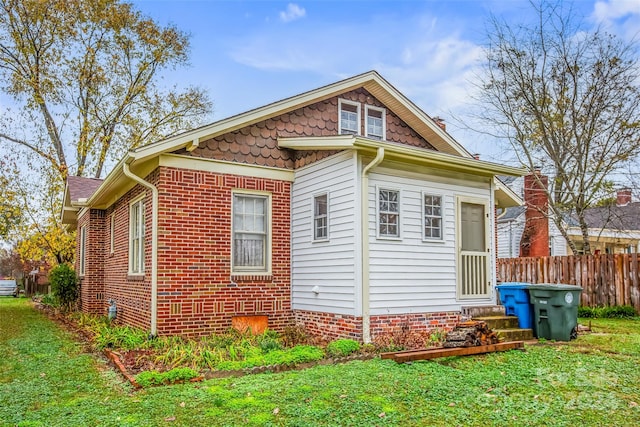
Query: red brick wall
{"type": "Point", "coordinates": [132, 294]}
{"type": "Point", "coordinates": [332, 326]}
{"type": "Point", "coordinates": [92, 282]}
{"type": "Point", "coordinates": [197, 294]}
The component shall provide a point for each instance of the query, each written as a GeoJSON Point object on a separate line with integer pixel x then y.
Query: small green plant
{"type": "Point", "coordinates": [49, 300]}
{"type": "Point", "coordinates": [64, 286]}
{"type": "Point", "coordinates": [342, 347]}
{"type": "Point", "coordinates": [151, 378]}
{"type": "Point", "coordinates": [612, 312]}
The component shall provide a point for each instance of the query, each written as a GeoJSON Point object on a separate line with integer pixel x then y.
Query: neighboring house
{"type": "Point", "coordinates": [612, 229]}
{"type": "Point", "coordinates": [345, 208]}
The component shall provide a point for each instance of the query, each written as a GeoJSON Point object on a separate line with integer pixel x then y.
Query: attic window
{"type": "Point", "coordinates": [375, 122]}
{"type": "Point", "coordinates": [349, 117]}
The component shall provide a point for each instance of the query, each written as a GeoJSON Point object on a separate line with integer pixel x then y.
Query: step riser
{"type": "Point", "coordinates": [505, 322]}
{"type": "Point", "coordinates": [492, 310]}
{"type": "Point", "coordinates": [515, 335]}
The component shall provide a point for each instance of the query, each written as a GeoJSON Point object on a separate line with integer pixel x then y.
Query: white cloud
{"type": "Point", "coordinates": [292, 13]}
{"type": "Point", "coordinates": [615, 9]}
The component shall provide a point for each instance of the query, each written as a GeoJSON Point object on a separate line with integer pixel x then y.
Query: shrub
{"type": "Point", "coordinates": [613, 312]}
{"type": "Point", "coordinates": [49, 300]}
{"type": "Point", "coordinates": [342, 347]}
{"type": "Point", "coordinates": [151, 378]}
{"type": "Point", "coordinates": [64, 286]}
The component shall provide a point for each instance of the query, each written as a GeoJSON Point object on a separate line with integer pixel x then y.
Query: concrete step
{"type": "Point", "coordinates": [483, 311]}
{"type": "Point", "coordinates": [514, 334]}
{"type": "Point", "coordinates": [499, 322]}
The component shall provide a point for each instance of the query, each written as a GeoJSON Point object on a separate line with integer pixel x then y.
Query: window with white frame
{"type": "Point", "coordinates": [388, 213]}
{"type": "Point", "coordinates": [432, 214]}
{"type": "Point", "coordinates": [375, 122]}
{"type": "Point", "coordinates": [83, 250]}
{"type": "Point", "coordinates": [136, 237]}
{"type": "Point", "coordinates": [250, 240]}
{"type": "Point", "coordinates": [320, 217]}
{"type": "Point", "coordinates": [112, 232]}
{"type": "Point", "coordinates": [349, 117]}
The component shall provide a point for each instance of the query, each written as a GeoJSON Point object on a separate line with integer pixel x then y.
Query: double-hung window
{"type": "Point", "coordinates": [83, 250]}
{"type": "Point", "coordinates": [136, 236]}
{"type": "Point", "coordinates": [388, 213]}
{"type": "Point", "coordinates": [349, 117]}
{"type": "Point", "coordinates": [432, 214]}
{"type": "Point", "coordinates": [375, 122]}
{"type": "Point", "coordinates": [250, 240]}
{"type": "Point", "coordinates": [320, 217]}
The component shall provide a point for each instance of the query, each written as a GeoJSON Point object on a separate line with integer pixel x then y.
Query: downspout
{"type": "Point", "coordinates": [154, 245]}
{"type": "Point", "coordinates": [364, 221]}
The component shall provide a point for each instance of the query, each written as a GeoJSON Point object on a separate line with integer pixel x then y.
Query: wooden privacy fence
{"type": "Point", "coordinates": [605, 280]}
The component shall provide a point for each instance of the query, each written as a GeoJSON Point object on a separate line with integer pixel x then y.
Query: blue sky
{"type": "Point", "coordinates": [250, 53]}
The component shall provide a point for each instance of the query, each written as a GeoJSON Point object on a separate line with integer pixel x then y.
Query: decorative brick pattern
{"type": "Point", "coordinates": [197, 292]}
{"type": "Point", "coordinates": [92, 282]}
{"type": "Point", "coordinates": [332, 326]}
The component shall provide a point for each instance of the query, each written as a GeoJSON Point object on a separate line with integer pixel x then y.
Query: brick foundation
{"type": "Point", "coordinates": [332, 326]}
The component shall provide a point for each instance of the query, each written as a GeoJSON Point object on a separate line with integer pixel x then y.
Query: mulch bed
{"type": "Point", "coordinates": [132, 362]}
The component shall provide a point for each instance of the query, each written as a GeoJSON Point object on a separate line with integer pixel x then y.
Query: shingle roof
{"type": "Point", "coordinates": [512, 213]}
{"type": "Point", "coordinates": [614, 217]}
{"type": "Point", "coordinates": [81, 187]}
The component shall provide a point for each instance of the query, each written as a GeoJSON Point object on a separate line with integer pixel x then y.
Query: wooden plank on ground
{"type": "Point", "coordinates": [426, 354]}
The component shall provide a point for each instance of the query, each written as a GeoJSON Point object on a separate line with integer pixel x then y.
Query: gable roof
{"type": "Point", "coordinates": [613, 217]}
{"type": "Point", "coordinates": [382, 90]}
{"type": "Point", "coordinates": [144, 159]}
{"type": "Point", "coordinates": [77, 191]}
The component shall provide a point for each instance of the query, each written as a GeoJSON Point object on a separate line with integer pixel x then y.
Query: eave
{"type": "Point", "coordinates": [401, 152]}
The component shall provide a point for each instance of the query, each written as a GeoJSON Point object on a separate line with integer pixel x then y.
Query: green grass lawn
{"type": "Point", "coordinates": [48, 379]}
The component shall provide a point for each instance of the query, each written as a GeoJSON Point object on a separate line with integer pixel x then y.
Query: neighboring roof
{"type": "Point", "coordinates": [511, 214]}
{"type": "Point", "coordinates": [614, 217]}
{"type": "Point", "coordinates": [82, 188]}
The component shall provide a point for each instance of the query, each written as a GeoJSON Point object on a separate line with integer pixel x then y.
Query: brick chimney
{"type": "Point", "coordinates": [535, 237]}
{"type": "Point", "coordinates": [440, 122]}
{"type": "Point", "coordinates": [623, 197]}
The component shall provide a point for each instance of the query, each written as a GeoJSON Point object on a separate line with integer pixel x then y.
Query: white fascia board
{"type": "Point", "coordinates": [338, 142]}
{"type": "Point", "coordinates": [607, 233]}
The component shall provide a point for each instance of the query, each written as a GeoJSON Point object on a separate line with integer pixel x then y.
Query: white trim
{"type": "Point", "coordinates": [141, 222]}
{"type": "Point", "coordinates": [379, 236]}
{"type": "Point", "coordinates": [383, 111]}
{"type": "Point", "coordinates": [267, 269]}
{"type": "Point", "coordinates": [487, 241]}
{"type": "Point", "coordinates": [224, 167]}
{"type": "Point", "coordinates": [82, 264]}
{"type": "Point", "coordinates": [441, 239]}
{"type": "Point", "coordinates": [342, 102]}
{"type": "Point", "coordinates": [315, 239]}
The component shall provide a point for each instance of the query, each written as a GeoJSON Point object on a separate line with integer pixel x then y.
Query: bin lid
{"type": "Point", "coordinates": [513, 285]}
{"type": "Point", "coordinates": [555, 286]}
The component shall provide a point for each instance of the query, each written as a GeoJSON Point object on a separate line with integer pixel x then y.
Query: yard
{"type": "Point", "coordinates": [47, 377]}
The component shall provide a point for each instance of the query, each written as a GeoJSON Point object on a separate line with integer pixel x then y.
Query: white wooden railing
{"type": "Point", "coordinates": [474, 280]}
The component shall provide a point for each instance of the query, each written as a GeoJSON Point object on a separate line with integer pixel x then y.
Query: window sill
{"type": "Point", "coordinates": [390, 238]}
{"type": "Point", "coordinates": [135, 277]}
{"type": "Point", "coordinates": [320, 241]}
{"type": "Point", "coordinates": [251, 277]}
{"type": "Point", "coordinates": [433, 240]}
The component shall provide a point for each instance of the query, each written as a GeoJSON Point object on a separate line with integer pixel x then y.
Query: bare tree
{"type": "Point", "coordinates": [567, 99]}
{"type": "Point", "coordinates": [85, 81]}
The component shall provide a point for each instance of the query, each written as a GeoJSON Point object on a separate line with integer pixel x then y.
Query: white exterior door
{"type": "Point", "coordinates": [473, 248]}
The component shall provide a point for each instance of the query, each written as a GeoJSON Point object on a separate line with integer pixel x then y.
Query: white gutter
{"type": "Point", "coordinates": [154, 245]}
{"type": "Point", "coordinates": [364, 221]}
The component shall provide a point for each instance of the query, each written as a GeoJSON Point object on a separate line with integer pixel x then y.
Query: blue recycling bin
{"type": "Point", "coordinates": [514, 296]}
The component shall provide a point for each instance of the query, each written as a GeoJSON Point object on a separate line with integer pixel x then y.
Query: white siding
{"type": "Point", "coordinates": [331, 265]}
{"type": "Point", "coordinates": [509, 236]}
{"type": "Point", "coordinates": [411, 275]}
{"type": "Point", "coordinates": [557, 241]}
